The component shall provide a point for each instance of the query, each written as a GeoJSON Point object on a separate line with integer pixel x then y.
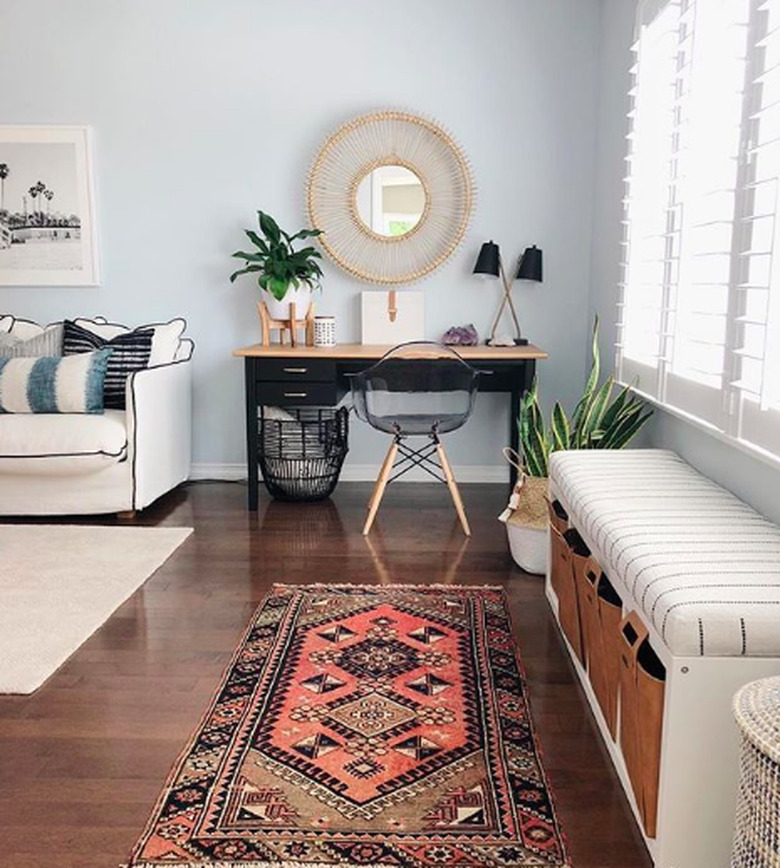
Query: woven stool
{"type": "Point", "coordinates": [757, 835]}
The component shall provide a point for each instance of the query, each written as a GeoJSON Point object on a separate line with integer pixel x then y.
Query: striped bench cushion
{"type": "Point", "coordinates": [702, 566]}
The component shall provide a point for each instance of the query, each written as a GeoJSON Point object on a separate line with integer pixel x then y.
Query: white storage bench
{"type": "Point", "coordinates": [667, 590]}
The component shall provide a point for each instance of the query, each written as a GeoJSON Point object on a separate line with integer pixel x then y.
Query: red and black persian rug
{"type": "Point", "coordinates": [363, 726]}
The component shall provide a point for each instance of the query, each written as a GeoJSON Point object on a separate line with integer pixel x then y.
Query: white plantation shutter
{"type": "Point", "coordinates": [700, 299]}
{"type": "Point", "coordinates": [757, 328]}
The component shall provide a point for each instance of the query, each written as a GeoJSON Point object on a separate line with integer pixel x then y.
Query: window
{"type": "Point", "coordinates": [699, 320]}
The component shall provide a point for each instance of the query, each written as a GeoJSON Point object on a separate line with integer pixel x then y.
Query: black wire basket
{"type": "Point", "coordinates": [301, 458]}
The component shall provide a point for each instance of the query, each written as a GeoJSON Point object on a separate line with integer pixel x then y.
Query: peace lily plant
{"type": "Point", "coordinates": [284, 274]}
{"type": "Point", "coordinates": [599, 420]}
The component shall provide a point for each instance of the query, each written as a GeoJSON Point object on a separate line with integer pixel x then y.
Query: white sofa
{"type": "Point", "coordinates": [120, 461]}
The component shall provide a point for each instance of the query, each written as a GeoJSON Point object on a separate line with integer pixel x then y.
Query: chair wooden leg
{"type": "Point", "coordinates": [379, 488]}
{"type": "Point", "coordinates": [453, 487]}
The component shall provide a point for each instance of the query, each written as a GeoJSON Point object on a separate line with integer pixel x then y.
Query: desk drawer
{"type": "Point", "coordinates": [290, 370]}
{"type": "Point", "coordinates": [301, 394]}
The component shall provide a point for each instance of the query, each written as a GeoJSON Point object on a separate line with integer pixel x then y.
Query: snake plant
{"type": "Point", "coordinates": [599, 421]}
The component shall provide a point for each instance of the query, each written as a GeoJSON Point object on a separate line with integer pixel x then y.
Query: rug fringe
{"type": "Point", "coordinates": [257, 865]}
{"type": "Point", "coordinates": [404, 587]}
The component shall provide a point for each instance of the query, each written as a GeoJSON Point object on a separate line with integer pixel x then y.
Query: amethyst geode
{"type": "Point", "coordinates": [461, 336]}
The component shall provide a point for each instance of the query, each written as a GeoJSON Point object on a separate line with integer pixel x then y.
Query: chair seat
{"type": "Point", "coordinates": [63, 444]}
{"type": "Point", "coordinates": [417, 424]}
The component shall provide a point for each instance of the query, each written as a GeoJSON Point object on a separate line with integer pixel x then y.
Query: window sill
{"type": "Point", "coordinates": [743, 446]}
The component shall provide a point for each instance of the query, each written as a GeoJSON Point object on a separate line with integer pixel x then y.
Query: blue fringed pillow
{"type": "Point", "coordinates": [54, 384]}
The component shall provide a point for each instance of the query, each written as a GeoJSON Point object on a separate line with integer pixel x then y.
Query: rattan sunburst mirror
{"type": "Point", "coordinates": [392, 193]}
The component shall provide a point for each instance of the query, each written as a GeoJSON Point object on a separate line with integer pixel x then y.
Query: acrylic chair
{"type": "Point", "coordinates": [418, 389]}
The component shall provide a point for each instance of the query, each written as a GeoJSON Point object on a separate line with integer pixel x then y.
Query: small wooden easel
{"type": "Point", "coordinates": [291, 325]}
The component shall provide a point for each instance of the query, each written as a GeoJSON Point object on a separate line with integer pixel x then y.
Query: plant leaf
{"type": "Point", "coordinates": [533, 441]}
{"type": "Point", "coordinates": [581, 410]}
{"type": "Point", "coordinates": [278, 287]}
{"type": "Point", "coordinates": [269, 227]}
{"type": "Point", "coordinates": [594, 416]}
{"type": "Point", "coordinates": [627, 430]}
{"type": "Point", "coordinates": [305, 233]}
{"type": "Point", "coordinates": [615, 409]}
{"type": "Point", "coordinates": [250, 257]}
{"type": "Point", "coordinates": [256, 240]}
{"type": "Point", "coordinates": [559, 428]}
{"type": "Point", "coordinates": [248, 270]}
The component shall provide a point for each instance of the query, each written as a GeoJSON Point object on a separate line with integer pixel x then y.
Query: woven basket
{"type": "Point", "coordinates": [526, 521]}
{"type": "Point", "coordinates": [757, 828]}
{"type": "Point", "coordinates": [531, 509]}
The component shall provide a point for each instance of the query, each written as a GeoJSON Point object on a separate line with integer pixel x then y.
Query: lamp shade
{"type": "Point", "coordinates": [530, 265]}
{"type": "Point", "coordinates": [488, 260]}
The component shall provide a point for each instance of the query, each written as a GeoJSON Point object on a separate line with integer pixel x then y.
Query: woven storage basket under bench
{"type": "Point", "coordinates": [666, 588]}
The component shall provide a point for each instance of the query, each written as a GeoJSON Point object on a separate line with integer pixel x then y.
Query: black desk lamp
{"type": "Point", "coordinates": [490, 264]}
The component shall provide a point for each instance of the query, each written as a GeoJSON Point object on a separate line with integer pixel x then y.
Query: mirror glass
{"type": "Point", "coordinates": [390, 200]}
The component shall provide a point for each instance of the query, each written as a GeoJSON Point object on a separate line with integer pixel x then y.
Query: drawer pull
{"type": "Point", "coordinates": [295, 370]}
{"type": "Point", "coordinates": [295, 394]}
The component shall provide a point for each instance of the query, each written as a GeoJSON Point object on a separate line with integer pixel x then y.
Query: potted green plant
{"type": "Point", "coordinates": [284, 274]}
{"type": "Point", "coordinates": [599, 421]}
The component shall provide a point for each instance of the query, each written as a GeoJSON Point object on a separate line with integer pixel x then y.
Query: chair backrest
{"type": "Point", "coordinates": [416, 388]}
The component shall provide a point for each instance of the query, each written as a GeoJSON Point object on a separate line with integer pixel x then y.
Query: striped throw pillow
{"type": "Point", "coordinates": [130, 353]}
{"type": "Point", "coordinates": [53, 384]}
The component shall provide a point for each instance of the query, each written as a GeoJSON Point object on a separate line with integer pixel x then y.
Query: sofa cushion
{"type": "Point", "coordinates": [53, 384]}
{"type": "Point", "coordinates": [129, 353]}
{"type": "Point", "coordinates": [61, 444]}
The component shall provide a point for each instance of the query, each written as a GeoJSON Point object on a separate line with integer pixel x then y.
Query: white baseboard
{"type": "Point", "coordinates": [363, 473]}
{"type": "Point", "coordinates": [226, 472]}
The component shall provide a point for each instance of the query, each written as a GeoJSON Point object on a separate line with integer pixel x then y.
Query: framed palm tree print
{"type": "Point", "coordinates": [47, 207]}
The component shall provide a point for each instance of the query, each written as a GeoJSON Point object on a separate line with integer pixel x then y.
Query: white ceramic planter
{"type": "Point", "coordinates": [281, 309]}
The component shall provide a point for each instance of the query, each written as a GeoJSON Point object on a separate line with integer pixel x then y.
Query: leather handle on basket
{"type": "Point", "coordinates": [632, 623]}
{"type": "Point", "coordinates": [592, 572]}
{"type": "Point", "coordinates": [550, 510]}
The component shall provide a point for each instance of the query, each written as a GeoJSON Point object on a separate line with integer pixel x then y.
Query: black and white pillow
{"type": "Point", "coordinates": [131, 353]}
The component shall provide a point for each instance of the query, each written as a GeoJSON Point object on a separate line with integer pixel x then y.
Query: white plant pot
{"type": "Point", "coordinates": [281, 309]}
{"type": "Point", "coordinates": [529, 547]}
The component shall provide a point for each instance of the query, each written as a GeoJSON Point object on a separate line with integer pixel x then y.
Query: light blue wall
{"type": "Point", "coordinates": [748, 477]}
{"type": "Point", "coordinates": [204, 110]}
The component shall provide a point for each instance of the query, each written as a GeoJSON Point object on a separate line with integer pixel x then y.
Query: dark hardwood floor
{"type": "Point", "coordinates": [84, 758]}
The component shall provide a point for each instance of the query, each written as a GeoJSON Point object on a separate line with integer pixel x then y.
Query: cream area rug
{"type": "Point", "coordinates": [59, 583]}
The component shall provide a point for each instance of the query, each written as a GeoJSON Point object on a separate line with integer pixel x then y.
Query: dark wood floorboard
{"type": "Point", "coordinates": [83, 759]}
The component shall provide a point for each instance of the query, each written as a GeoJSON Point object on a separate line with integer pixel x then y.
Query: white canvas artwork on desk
{"type": "Point", "coordinates": [392, 316]}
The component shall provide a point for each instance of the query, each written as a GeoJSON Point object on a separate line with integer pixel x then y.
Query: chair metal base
{"type": "Point", "coordinates": [439, 468]}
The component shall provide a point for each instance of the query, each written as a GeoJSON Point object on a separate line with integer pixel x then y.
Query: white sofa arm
{"type": "Point", "coordinates": [159, 429]}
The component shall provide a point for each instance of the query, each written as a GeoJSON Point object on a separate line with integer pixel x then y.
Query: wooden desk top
{"type": "Point", "coordinates": [376, 351]}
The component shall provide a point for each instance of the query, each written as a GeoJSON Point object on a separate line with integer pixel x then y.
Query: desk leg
{"type": "Point", "coordinates": [525, 379]}
{"type": "Point", "coordinates": [252, 434]}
